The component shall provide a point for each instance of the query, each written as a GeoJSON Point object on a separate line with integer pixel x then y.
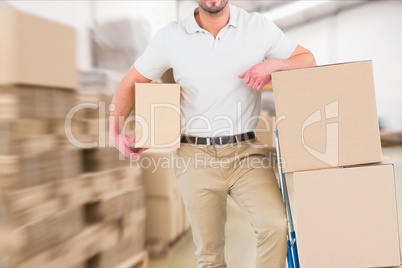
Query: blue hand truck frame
{"type": "Point", "coordinates": [292, 254]}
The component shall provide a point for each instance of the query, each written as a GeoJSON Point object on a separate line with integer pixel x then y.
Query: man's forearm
{"type": "Point", "coordinates": [260, 74]}
{"type": "Point", "coordinates": [123, 100]}
{"type": "Point", "coordinates": [302, 60]}
{"type": "Point", "coordinates": [122, 105]}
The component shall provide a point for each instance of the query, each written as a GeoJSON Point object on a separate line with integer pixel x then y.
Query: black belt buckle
{"type": "Point", "coordinates": [215, 141]}
{"type": "Point", "coordinates": [208, 141]}
{"type": "Point", "coordinates": [247, 136]}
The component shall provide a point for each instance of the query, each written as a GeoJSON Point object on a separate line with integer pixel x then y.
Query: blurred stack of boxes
{"type": "Point", "coordinates": [345, 194]}
{"type": "Point", "coordinates": [60, 206]}
{"type": "Point", "coordinates": [94, 97]}
{"type": "Point", "coordinates": [391, 138]}
{"type": "Point", "coordinates": [116, 191]}
{"type": "Point", "coordinates": [115, 46]}
{"type": "Point", "coordinates": [166, 217]}
{"type": "Point", "coordinates": [167, 222]}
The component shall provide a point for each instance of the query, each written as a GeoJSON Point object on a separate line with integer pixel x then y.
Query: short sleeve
{"type": "Point", "coordinates": [154, 61]}
{"type": "Point", "coordinates": [280, 46]}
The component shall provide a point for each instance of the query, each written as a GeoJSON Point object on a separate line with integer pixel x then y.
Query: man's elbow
{"type": "Point", "coordinates": [304, 57]}
{"type": "Point", "coordinates": [307, 59]}
{"type": "Point", "coordinates": [311, 62]}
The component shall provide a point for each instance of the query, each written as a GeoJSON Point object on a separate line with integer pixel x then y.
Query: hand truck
{"type": "Point", "coordinates": [292, 255]}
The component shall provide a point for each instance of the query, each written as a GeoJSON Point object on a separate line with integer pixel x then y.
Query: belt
{"type": "Point", "coordinates": [221, 140]}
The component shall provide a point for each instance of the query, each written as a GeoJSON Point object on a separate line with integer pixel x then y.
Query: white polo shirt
{"type": "Point", "coordinates": [214, 101]}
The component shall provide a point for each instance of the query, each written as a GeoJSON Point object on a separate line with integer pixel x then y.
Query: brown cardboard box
{"type": "Point", "coordinates": [19, 101]}
{"type": "Point", "coordinates": [28, 145]}
{"type": "Point", "coordinates": [158, 167]}
{"type": "Point", "coordinates": [116, 205]}
{"type": "Point", "coordinates": [61, 101]}
{"type": "Point", "coordinates": [52, 230]}
{"type": "Point", "coordinates": [93, 239]}
{"type": "Point", "coordinates": [94, 105]}
{"type": "Point", "coordinates": [157, 111]}
{"type": "Point", "coordinates": [36, 51]}
{"type": "Point", "coordinates": [99, 159]}
{"type": "Point", "coordinates": [76, 192]}
{"type": "Point", "coordinates": [326, 116]}
{"type": "Point", "coordinates": [264, 130]}
{"type": "Point", "coordinates": [41, 235]}
{"type": "Point", "coordinates": [347, 217]}
{"type": "Point", "coordinates": [14, 202]}
{"type": "Point", "coordinates": [131, 242]}
{"type": "Point", "coordinates": [18, 172]}
{"type": "Point", "coordinates": [22, 128]}
{"type": "Point", "coordinates": [163, 217]}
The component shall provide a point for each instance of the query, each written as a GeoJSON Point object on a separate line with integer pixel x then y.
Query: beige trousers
{"type": "Point", "coordinates": [207, 174]}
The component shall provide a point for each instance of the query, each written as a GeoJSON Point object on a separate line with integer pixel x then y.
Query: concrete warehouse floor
{"type": "Point", "coordinates": [240, 238]}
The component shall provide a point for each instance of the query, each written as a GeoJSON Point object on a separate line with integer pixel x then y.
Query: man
{"type": "Point", "coordinates": [221, 56]}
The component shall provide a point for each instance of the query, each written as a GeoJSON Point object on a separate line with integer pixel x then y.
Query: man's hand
{"type": "Point", "coordinates": [123, 143]}
{"type": "Point", "coordinates": [259, 75]}
{"type": "Point", "coordinates": [123, 101]}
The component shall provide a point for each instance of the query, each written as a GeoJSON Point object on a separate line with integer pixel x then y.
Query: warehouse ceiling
{"type": "Point", "coordinates": [289, 14]}
{"type": "Point", "coordinates": [259, 6]}
{"type": "Point", "coordinates": [295, 13]}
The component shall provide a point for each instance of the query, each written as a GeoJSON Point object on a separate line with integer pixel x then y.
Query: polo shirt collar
{"type": "Point", "coordinates": [192, 25]}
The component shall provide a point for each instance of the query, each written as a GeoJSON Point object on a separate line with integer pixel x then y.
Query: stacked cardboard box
{"type": "Point", "coordinates": [112, 213]}
{"type": "Point", "coordinates": [60, 205]}
{"type": "Point", "coordinates": [36, 86]}
{"type": "Point", "coordinates": [166, 218]}
{"type": "Point", "coordinates": [350, 218]}
{"type": "Point", "coordinates": [116, 200]}
{"type": "Point", "coordinates": [88, 120]}
{"type": "Point", "coordinates": [157, 111]}
{"type": "Point", "coordinates": [391, 138]}
{"type": "Point", "coordinates": [345, 199]}
{"type": "Point", "coordinates": [47, 205]}
{"type": "Point", "coordinates": [36, 51]}
{"type": "Point", "coordinates": [28, 101]}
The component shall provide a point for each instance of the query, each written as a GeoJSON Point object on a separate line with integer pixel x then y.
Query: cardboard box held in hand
{"type": "Point", "coordinates": [157, 115]}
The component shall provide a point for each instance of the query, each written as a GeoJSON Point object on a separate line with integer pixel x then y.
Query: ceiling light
{"type": "Point", "coordinates": [293, 8]}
